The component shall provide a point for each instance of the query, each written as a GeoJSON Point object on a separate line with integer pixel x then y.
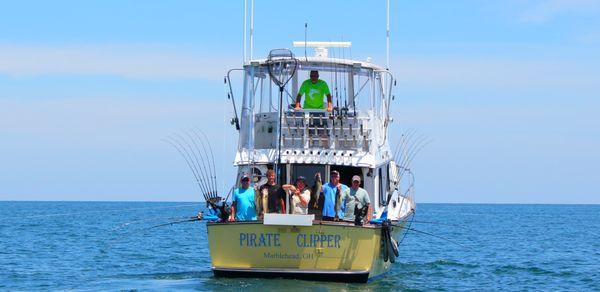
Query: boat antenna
{"type": "Point", "coordinates": [345, 80]}
{"type": "Point", "coordinates": [387, 45]}
{"type": "Point", "coordinates": [251, 27]}
{"type": "Point", "coordinates": [305, 39]}
{"type": "Point", "coordinates": [282, 65]}
{"type": "Point", "coordinates": [245, 22]}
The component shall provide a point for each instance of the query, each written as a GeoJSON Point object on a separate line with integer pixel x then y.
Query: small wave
{"type": "Point", "coordinates": [441, 263]}
{"type": "Point", "coordinates": [534, 270]}
{"type": "Point", "coordinates": [166, 276]}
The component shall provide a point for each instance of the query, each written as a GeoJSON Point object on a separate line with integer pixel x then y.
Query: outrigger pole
{"type": "Point", "coordinates": [387, 38]}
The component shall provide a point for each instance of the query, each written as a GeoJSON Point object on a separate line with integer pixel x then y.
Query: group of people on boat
{"type": "Point", "coordinates": [332, 201]}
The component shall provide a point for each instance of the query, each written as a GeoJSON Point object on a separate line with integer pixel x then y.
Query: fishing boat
{"type": "Point", "coordinates": [351, 139]}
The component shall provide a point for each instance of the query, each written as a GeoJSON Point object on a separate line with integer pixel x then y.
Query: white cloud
{"type": "Point", "coordinates": [548, 9]}
{"type": "Point", "coordinates": [140, 62]}
{"type": "Point", "coordinates": [506, 74]}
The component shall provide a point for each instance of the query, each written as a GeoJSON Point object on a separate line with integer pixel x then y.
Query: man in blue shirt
{"type": "Point", "coordinates": [331, 196]}
{"type": "Point", "coordinates": [243, 205]}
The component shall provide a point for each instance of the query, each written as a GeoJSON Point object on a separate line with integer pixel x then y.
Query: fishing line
{"type": "Point", "coordinates": [127, 224]}
{"type": "Point", "coordinates": [175, 222]}
{"type": "Point", "coordinates": [112, 210]}
{"type": "Point", "coordinates": [433, 235]}
{"type": "Point", "coordinates": [412, 218]}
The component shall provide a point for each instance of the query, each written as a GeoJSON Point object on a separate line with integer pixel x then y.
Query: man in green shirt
{"type": "Point", "coordinates": [313, 90]}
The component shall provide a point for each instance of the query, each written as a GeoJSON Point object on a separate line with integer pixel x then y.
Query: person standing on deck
{"type": "Point", "coordinates": [314, 89]}
{"type": "Point", "coordinates": [243, 206]}
{"type": "Point", "coordinates": [331, 196]}
{"type": "Point", "coordinates": [300, 196]}
{"type": "Point", "coordinates": [274, 194]}
{"type": "Point", "coordinates": [357, 197]}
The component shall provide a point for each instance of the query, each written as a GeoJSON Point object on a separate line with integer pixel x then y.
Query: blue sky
{"type": "Point", "coordinates": [507, 90]}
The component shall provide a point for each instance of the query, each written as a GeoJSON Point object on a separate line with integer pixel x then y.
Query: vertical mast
{"type": "Point", "coordinates": [387, 45]}
{"type": "Point", "coordinates": [251, 27]}
{"type": "Point", "coordinates": [245, 21]}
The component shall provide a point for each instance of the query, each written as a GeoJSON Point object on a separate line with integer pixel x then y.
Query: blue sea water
{"type": "Point", "coordinates": [109, 246]}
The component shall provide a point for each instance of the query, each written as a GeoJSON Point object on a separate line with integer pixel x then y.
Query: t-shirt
{"type": "Point", "coordinates": [330, 193]}
{"type": "Point", "coordinates": [245, 208]}
{"type": "Point", "coordinates": [274, 193]}
{"type": "Point", "coordinates": [314, 93]}
{"type": "Point", "coordinates": [353, 198]}
{"type": "Point", "coordinates": [297, 203]}
{"type": "Point", "coordinates": [345, 190]}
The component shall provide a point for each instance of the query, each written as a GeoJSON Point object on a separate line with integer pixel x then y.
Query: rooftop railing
{"type": "Point", "coordinates": [314, 129]}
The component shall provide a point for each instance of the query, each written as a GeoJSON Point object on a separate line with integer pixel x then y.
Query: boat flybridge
{"type": "Point", "coordinates": [352, 139]}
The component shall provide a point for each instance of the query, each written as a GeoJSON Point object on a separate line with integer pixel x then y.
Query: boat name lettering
{"type": "Point", "coordinates": [302, 240]}
{"type": "Point", "coordinates": [262, 239]}
{"type": "Point", "coordinates": [318, 240]}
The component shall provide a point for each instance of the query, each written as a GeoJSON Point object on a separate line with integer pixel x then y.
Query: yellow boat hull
{"type": "Point", "coordinates": [327, 251]}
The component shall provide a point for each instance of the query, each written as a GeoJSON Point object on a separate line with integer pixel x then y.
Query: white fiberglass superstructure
{"type": "Point", "coordinates": [352, 139]}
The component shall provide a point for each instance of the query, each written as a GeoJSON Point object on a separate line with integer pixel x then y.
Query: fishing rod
{"type": "Point", "coordinates": [345, 80]}
{"type": "Point", "coordinates": [211, 167]}
{"type": "Point", "coordinates": [414, 151]}
{"type": "Point", "coordinates": [212, 157]}
{"type": "Point", "coordinates": [200, 186]}
{"type": "Point", "coordinates": [404, 138]}
{"type": "Point", "coordinates": [205, 171]}
{"type": "Point", "coordinates": [181, 140]}
{"type": "Point", "coordinates": [202, 173]}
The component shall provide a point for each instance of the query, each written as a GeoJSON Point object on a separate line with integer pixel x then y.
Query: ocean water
{"type": "Point", "coordinates": [110, 246]}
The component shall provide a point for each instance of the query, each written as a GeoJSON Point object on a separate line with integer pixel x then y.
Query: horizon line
{"type": "Point", "coordinates": [203, 202]}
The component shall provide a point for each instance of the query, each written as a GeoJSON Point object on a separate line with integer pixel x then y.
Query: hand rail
{"type": "Point", "coordinates": [227, 80]}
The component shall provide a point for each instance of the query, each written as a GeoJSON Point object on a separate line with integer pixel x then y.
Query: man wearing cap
{"type": "Point", "coordinates": [243, 205]}
{"type": "Point", "coordinates": [331, 197]}
{"type": "Point", "coordinates": [356, 197]}
{"type": "Point", "coordinates": [300, 196]}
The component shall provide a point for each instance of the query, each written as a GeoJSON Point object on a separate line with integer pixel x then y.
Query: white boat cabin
{"type": "Point", "coordinates": [352, 138]}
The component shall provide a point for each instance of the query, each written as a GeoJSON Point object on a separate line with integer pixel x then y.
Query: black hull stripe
{"type": "Point", "coordinates": [313, 275]}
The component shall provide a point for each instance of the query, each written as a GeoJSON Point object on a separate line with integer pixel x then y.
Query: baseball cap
{"type": "Point", "coordinates": [356, 177]}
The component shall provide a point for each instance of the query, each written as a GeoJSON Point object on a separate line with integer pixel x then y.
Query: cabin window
{"type": "Point", "coordinates": [308, 171]}
{"type": "Point", "coordinates": [347, 172]}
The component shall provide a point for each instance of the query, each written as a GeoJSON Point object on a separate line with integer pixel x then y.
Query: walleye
{"type": "Point", "coordinates": [314, 205]}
